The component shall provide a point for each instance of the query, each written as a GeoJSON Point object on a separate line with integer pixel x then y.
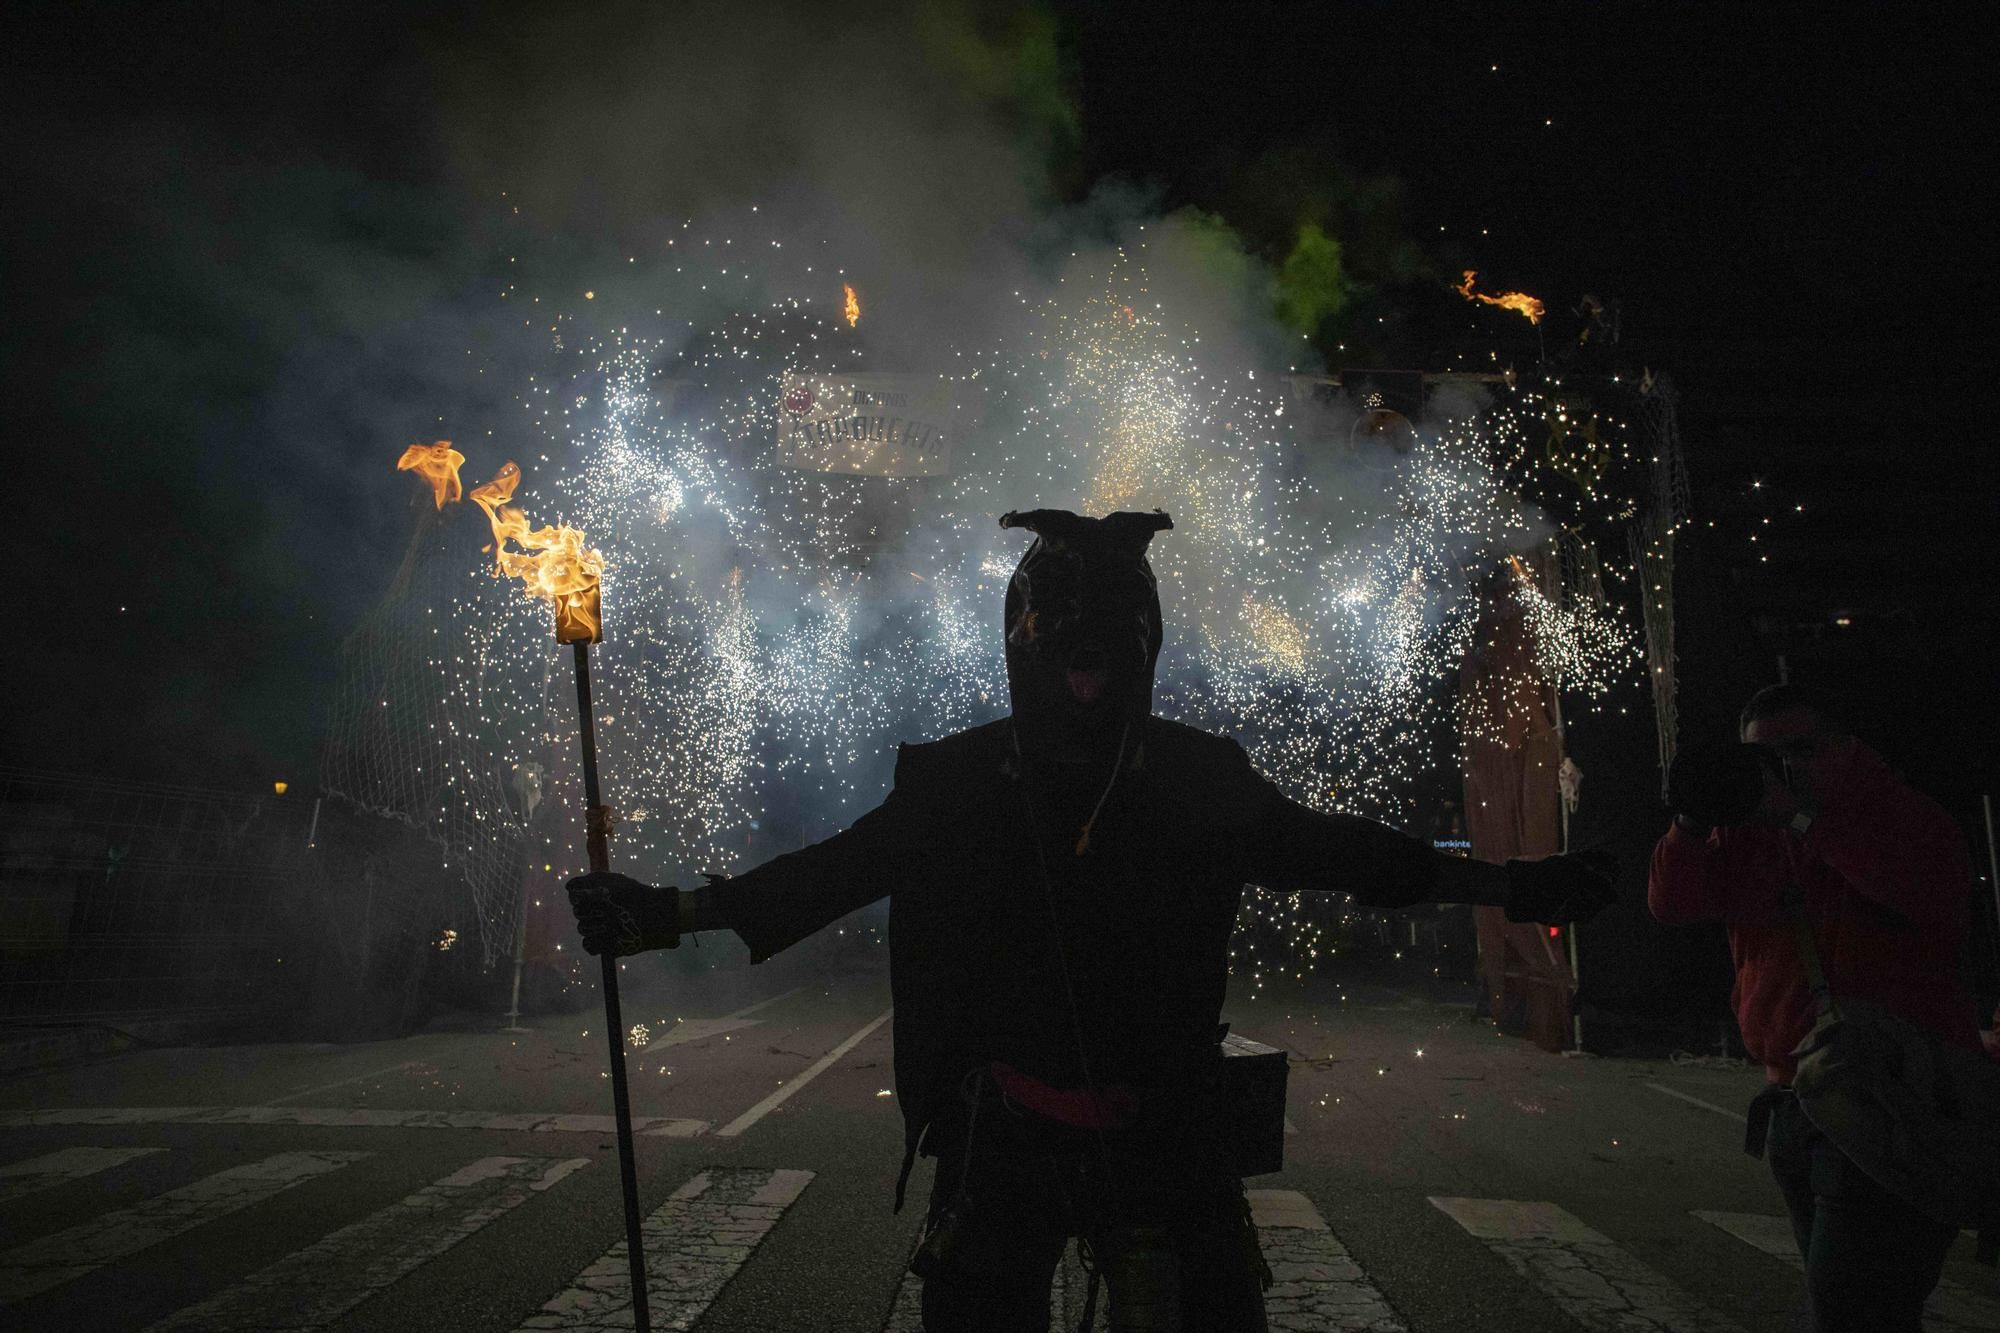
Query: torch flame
{"type": "Point", "coordinates": [552, 563]}
{"type": "Point", "coordinates": [437, 464]}
{"type": "Point", "coordinates": [853, 310]}
{"type": "Point", "coordinates": [1519, 302]}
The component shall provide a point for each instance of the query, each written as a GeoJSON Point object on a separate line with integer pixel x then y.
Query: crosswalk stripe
{"type": "Point", "coordinates": [1317, 1284]}
{"type": "Point", "coordinates": [353, 1117]}
{"type": "Point", "coordinates": [53, 1260]}
{"type": "Point", "coordinates": [1582, 1271]}
{"type": "Point", "coordinates": [311, 1288]}
{"type": "Point", "coordinates": [61, 1167]}
{"type": "Point", "coordinates": [1952, 1308]}
{"type": "Point", "coordinates": [906, 1314]}
{"type": "Point", "coordinates": [695, 1242]}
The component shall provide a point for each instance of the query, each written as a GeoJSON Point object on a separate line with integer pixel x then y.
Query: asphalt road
{"type": "Point", "coordinates": [1440, 1177]}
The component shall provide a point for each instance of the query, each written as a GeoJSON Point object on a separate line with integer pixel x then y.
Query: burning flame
{"type": "Point", "coordinates": [853, 310]}
{"type": "Point", "coordinates": [552, 563]}
{"type": "Point", "coordinates": [437, 464]}
{"type": "Point", "coordinates": [1519, 302]}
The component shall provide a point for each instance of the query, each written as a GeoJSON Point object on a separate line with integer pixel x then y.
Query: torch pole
{"type": "Point", "coordinates": [597, 831]}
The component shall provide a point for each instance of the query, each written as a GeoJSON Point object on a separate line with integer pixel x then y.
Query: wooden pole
{"type": "Point", "coordinates": [597, 830]}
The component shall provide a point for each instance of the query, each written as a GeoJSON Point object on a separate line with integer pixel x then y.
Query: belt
{"type": "Point", "coordinates": [1111, 1107]}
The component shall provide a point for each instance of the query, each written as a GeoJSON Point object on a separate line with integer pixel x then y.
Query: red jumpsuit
{"type": "Point", "coordinates": [1887, 882]}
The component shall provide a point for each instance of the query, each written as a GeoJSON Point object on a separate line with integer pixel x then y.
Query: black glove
{"type": "Point", "coordinates": [1716, 785]}
{"type": "Point", "coordinates": [618, 915]}
{"type": "Point", "coordinates": [1557, 890]}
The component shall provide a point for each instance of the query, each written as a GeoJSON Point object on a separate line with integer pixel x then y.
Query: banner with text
{"type": "Point", "coordinates": [872, 425]}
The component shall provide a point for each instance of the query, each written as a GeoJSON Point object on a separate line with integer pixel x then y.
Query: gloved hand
{"type": "Point", "coordinates": [1557, 890]}
{"type": "Point", "coordinates": [1718, 785]}
{"type": "Point", "coordinates": [618, 915]}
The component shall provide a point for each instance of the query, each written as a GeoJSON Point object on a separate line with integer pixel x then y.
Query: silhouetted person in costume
{"type": "Point", "coordinates": [1063, 884]}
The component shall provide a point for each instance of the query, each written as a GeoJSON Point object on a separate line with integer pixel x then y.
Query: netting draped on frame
{"type": "Point", "coordinates": [1665, 509]}
{"type": "Point", "coordinates": [409, 736]}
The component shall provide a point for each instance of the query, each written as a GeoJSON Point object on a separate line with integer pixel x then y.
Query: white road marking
{"type": "Point", "coordinates": [1318, 1288]}
{"type": "Point", "coordinates": [906, 1314]}
{"type": "Point", "coordinates": [54, 1260]}
{"type": "Point", "coordinates": [1068, 1293]}
{"type": "Point", "coordinates": [695, 1243]}
{"type": "Point", "coordinates": [341, 1083]}
{"type": "Point", "coordinates": [811, 1072]}
{"type": "Point", "coordinates": [1066, 1297]}
{"type": "Point", "coordinates": [697, 1029]}
{"type": "Point", "coordinates": [311, 1288]}
{"type": "Point", "coordinates": [347, 1117]}
{"type": "Point", "coordinates": [1952, 1308]}
{"type": "Point", "coordinates": [1582, 1271]}
{"type": "Point", "coordinates": [1317, 1283]}
{"type": "Point", "coordinates": [61, 1167]}
{"type": "Point", "coordinates": [1737, 1116]}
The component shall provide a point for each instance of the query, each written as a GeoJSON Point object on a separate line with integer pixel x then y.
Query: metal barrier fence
{"type": "Point", "coordinates": [123, 901]}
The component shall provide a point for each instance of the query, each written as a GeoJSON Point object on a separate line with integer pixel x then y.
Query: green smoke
{"type": "Point", "coordinates": [1015, 61]}
{"type": "Point", "coordinates": [1311, 284]}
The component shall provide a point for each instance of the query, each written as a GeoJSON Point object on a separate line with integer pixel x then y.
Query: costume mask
{"type": "Point", "coordinates": [1083, 628]}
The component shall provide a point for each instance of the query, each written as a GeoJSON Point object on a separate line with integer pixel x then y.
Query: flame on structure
{"type": "Point", "coordinates": [853, 309]}
{"type": "Point", "coordinates": [1519, 302]}
{"type": "Point", "coordinates": [552, 562]}
{"type": "Point", "coordinates": [437, 464]}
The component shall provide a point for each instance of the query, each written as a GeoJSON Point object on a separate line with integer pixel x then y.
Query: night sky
{"type": "Point", "coordinates": [244, 244]}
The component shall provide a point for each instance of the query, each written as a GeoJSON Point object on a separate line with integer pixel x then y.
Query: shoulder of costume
{"type": "Point", "coordinates": [990, 741]}
{"type": "Point", "coordinates": [1168, 741]}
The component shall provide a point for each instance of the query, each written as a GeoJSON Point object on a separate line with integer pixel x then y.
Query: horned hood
{"type": "Point", "coordinates": [1083, 625]}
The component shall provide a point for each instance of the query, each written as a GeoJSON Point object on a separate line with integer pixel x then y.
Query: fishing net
{"type": "Point", "coordinates": [1663, 509]}
{"type": "Point", "coordinates": [406, 735]}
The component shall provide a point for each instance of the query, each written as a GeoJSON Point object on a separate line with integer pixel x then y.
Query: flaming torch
{"type": "Point", "coordinates": [1528, 307]}
{"type": "Point", "coordinates": [437, 464]}
{"type": "Point", "coordinates": [555, 566]}
{"type": "Point", "coordinates": [851, 308]}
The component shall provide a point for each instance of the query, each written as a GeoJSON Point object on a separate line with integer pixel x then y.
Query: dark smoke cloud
{"type": "Point", "coordinates": [256, 253]}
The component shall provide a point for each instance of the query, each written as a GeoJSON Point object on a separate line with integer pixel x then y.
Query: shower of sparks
{"type": "Point", "coordinates": [777, 630]}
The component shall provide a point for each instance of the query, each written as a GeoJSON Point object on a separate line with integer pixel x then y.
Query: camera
{"type": "Point", "coordinates": [1719, 785]}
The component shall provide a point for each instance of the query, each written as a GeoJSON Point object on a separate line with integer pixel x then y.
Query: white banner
{"type": "Point", "coordinates": [873, 425]}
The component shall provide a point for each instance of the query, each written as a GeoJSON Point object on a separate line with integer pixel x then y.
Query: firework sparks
{"type": "Point", "coordinates": [773, 639]}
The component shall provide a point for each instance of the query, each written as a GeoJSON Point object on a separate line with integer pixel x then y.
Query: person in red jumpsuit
{"type": "Point", "coordinates": [1805, 809]}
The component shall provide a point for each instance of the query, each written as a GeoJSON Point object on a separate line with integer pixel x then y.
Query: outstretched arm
{"type": "Point", "coordinates": [772, 907]}
{"type": "Point", "coordinates": [1292, 847]}
{"type": "Point", "coordinates": [795, 895]}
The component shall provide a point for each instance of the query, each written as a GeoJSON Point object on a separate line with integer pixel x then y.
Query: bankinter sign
{"type": "Point", "coordinates": [870, 425]}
